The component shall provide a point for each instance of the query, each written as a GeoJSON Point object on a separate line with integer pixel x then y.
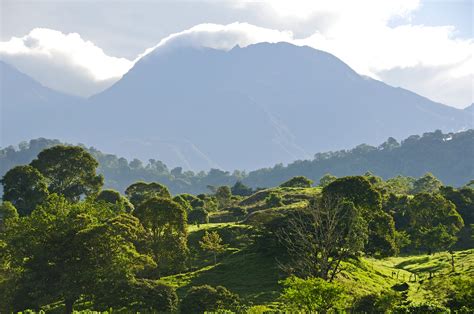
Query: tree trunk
{"type": "Point", "coordinates": [69, 304]}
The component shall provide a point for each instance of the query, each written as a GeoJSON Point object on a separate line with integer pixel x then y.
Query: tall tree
{"type": "Point", "coordinates": [212, 242]}
{"type": "Point", "coordinates": [64, 251]}
{"type": "Point", "coordinates": [69, 171]}
{"type": "Point", "coordinates": [25, 187]}
{"type": "Point", "coordinates": [427, 184]}
{"type": "Point", "coordinates": [140, 192]}
{"type": "Point", "coordinates": [319, 238]}
{"type": "Point", "coordinates": [433, 222]}
{"type": "Point", "coordinates": [166, 224]}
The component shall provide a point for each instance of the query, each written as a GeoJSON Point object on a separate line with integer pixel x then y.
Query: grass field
{"type": "Point", "coordinates": [254, 275]}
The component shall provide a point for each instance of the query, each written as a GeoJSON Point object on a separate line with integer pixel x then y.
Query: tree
{"type": "Point", "coordinates": [319, 238]}
{"type": "Point", "coordinates": [356, 189]}
{"type": "Point", "coordinates": [382, 236]}
{"type": "Point", "coordinates": [25, 187]}
{"type": "Point", "coordinates": [114, 198]}
{"type": "Point", "coordinates": [183, 201]}
{"type": "Point", "coordinates": [212, 242]}
{"type": "Point", "coordinates": [326, 180]}
{"type": "Point", "coordinates": [427, 184]}
{"type": "Point", "coordinates": [433, 222]}
{"type": "Point", "coordinates": [223, 195]}
{"type": "Point", "coordinates": [241, 189]}
{"type": "Point", "coordinates": [166, 224]}
{"type": "Point", "coordinates": [64, 251]}
{"type": "Point", "coordinates": [273, 200]}
{"type": "Point", "coordinates": [297, 182]}
{"type": "Point", "coordinates": [200, 299]}
{"type": "Point", "coordinates": [198, 216]}
{"type": "Point", "coordinates": [69, 171]}
{"type": "Point", "coordinates": [312, 295]}
{"type": "Point", "coordinates": [140, 192]}
{"type": "Point", "coordinates": [7, 211]}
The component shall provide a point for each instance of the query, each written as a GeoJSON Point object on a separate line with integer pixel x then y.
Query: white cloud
{"type": "Point", "coordinates": [64, 62]}
{"type": "Point", "coordinates": [222, 37]}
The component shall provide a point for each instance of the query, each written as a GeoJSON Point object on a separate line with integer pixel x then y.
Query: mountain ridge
{"type": "Point", "coordinates": [244, 108]}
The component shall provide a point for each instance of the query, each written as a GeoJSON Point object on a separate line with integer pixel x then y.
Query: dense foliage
{"type": "Point", "coordinates": [66, 243]}
{"type": "Point", "coordinates": [447, 156]}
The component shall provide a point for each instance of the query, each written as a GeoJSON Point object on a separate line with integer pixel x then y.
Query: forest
{"type": "Point", "coordinates": [448, 156]}
{"type": "Point", "coordinates": [395, 239]}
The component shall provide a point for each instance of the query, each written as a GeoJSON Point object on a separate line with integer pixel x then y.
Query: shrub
{"type": "Point", "coordinates": [297, 182]}
{"type": "Point", "coordinates": [311, 295]}
{"type": "Point", "coordinates": [200, 299]}
{"type": "Point", "coordinates": [198, 216]}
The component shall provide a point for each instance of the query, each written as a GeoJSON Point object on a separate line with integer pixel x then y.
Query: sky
{"type": "Point", "coordinates": [83, 47]}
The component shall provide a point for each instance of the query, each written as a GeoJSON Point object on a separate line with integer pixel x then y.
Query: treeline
{"type": "Point", "coordinates": [448, 156]}
{"type": "Point", "coordinates": [65, 240]}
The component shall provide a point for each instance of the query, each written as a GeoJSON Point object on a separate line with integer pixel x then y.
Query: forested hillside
{"type": "Point", "coordinates": [448, 156]}
{"type": "Point", "coordinates": [357, 244]}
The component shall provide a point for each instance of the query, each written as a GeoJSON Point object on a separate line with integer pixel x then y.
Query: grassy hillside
{"type": "Point", "coordinates": [254, 275]}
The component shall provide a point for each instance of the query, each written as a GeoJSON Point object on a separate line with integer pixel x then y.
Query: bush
{"type": "Point", "coordinates": [149, 295]}
{"type": "Point", "coordinates": [383, 302]}
{"type": "Point", "coordinates": [198, 216]}
{"type": "Point", "coordinates": [423, 308]}
{"type": "Point", "coordinates": [311, 295]}
{"type": "Point", "coordinates": [297, 182]}
{"type": "Point", "coordinates": [462, 296]}
{"type": "Point", "coordinates": [200, 299]}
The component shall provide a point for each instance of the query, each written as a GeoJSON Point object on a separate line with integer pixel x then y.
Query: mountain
{"type": "Point", "coordinates": [255, 106]}
{"type": "Point", "coordinates": [29, 110]}
{"type": "Point", "coordinates": [246, 108]}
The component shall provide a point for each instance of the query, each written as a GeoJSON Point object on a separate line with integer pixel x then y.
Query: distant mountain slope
{"type": "Point", "coordinates": [447, 156]}
{"type": "Point", "coordinates": [29, 110]}
{"type": "Point", "coordinates": [254, 106]}
{"type": "Point", "coordinates": [246, 108]}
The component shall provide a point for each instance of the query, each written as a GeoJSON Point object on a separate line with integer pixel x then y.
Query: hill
{"type": "Point", "coordinates": [447, 156]}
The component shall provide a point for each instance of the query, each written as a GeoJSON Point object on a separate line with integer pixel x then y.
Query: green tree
{"type": "Point", "coordinates": [356, 189]}
{"type": "Point", "coordinates": [433, 222]}
{"type": "Point", "coordinates": [69, 171]}
{"type": "Point", "coordinates": [427, 184]}
{"type": "Point", "coordinates": [200, 299]}
{"type": "Point", "coordinates": [113, 197]}
{"type": "Point", "coordinates": [166, 224]}
{"type": "Point", "coordinates": [312, 295]}
{"type": "Point", "coordinates": [382, 236]}
{"type": "Point", "coordinates": [25, 187]}
{"type": "Point", "coordinates": [198, 216]}
{"type": "Point", "coordinates": [223, 195]}
{"type": "Point", "coordinates": [241, 189]}
{"type": "Point", "coordinates": [65, 251]}
{"type": "Point", "coordinates": [297, 182]}
{"type": "Point", "coordinates": [7, 211]}
{"type": "Point", "coordinates": [140, 192]}
{"type": "Point", "coordinates": [273, 200]}
{"type": "Point", "coordinates": [320, 237]}
{"type": "Point", "coordinates": [183, 201]}
{"type": "Point", "coordinates": [212, 242]}
{"type": "Point", "coordinates": [326, 180]}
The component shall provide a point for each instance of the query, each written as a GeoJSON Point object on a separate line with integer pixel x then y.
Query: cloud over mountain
{"type": "Point", "coordinates": [429, 60]}
{"type": "Point", "coordinates": [64, 62]}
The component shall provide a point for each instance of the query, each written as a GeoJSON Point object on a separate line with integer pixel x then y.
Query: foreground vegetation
{"type": "Point", "coordinates": [355, 244]}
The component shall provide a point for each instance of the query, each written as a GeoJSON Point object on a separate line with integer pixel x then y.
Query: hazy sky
{"type": "Point", "coordinates": [425, 46]}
